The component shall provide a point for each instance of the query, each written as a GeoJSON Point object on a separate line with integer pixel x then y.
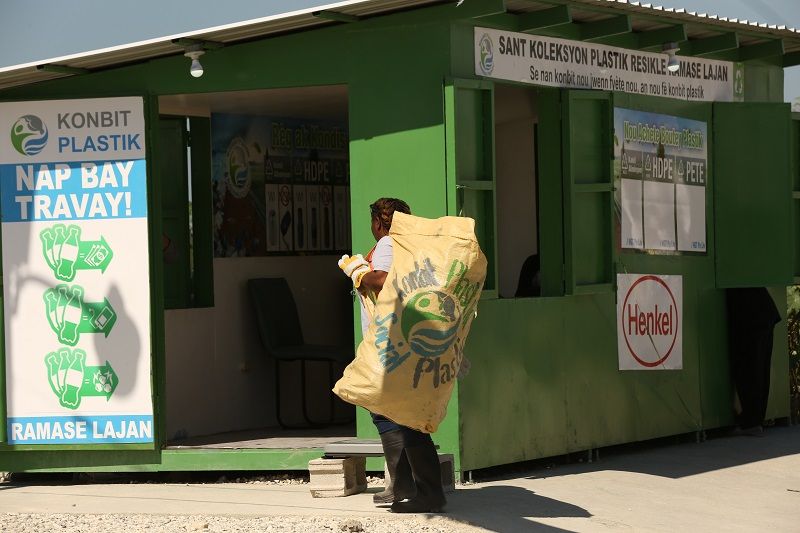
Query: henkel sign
{"type": "Point", "coordinates": [650, 322]}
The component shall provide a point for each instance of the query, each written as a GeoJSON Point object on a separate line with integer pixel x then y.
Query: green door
{"type": "Point", "coordinates": [752, 195]}
{"type": "Point", "coordinates": [588, 187]}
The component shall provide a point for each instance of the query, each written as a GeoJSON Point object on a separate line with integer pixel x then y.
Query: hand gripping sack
{"type": "Point", "coordinates": [406, 365]}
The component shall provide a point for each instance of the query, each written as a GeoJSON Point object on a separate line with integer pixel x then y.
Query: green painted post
{"type": "Point", "coordinates": [154, 214]}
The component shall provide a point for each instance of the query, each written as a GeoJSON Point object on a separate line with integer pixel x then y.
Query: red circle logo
{"type": "Point", "coordinates": [650, 331]}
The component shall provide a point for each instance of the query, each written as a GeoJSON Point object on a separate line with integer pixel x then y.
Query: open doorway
{"type": "Point", "coordinates": [516, 121]}
{"type": "Point", "coordinates": [255, 185]}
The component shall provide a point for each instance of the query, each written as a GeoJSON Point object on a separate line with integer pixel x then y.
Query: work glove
{"type": "Point", "coordinates": [354, 267]}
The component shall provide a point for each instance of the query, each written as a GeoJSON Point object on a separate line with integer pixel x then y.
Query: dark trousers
{"type": "Point", "coordinates": [751, 356]}
{"type": "Point", "coordinates": [411, 437]}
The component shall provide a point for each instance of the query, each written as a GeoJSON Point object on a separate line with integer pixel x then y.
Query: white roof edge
{"type": "Point", "coordinates": [682, 11]}
{"type": "Point", "coordinates": [168, 38]}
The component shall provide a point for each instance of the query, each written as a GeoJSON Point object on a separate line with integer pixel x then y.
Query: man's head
{"type": "Point", "coordinates": [381, 213]}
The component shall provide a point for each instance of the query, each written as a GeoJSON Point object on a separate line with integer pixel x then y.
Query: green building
{"type": "Point", "coordinates": [557, 125]}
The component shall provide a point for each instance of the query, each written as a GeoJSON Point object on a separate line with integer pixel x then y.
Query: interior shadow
{"type": "Point", "coordinates": [509, 509]}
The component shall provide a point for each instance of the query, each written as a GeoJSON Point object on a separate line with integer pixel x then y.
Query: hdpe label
{"type": "Point", "coordinates": [650, 322]}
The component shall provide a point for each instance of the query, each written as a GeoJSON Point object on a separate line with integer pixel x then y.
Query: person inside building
{"type": "Point", "coordinates": [411, 457]}
{"type": "Point", "coordinates": [752, 316]}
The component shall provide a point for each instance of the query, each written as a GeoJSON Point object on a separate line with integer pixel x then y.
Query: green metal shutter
{"type": "Point", "coordinates": [202, 237]}
{"type": "Point", "coordinates": [752, 195]}
{"type": "Point", "coordinates": [469, 136]}
{"type": "Point", "coordinates": [589, 249]}
{"type": "Point", "coordinates": [796, 195]}
{"type": "Point", "coordinates": [171, 171]}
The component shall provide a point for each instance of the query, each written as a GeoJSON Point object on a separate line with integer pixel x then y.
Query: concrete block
{"type": "Point", "coordinates": [331, 478]}
{"type": "Point", "coordinates": [447, 464]}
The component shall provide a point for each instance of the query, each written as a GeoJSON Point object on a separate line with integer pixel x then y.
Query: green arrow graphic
{"type": "Point", "coordinates": [99, 381]}
{"type": "Point", "coordinates": [94, 255]}
{"type": "Point", "coordinates": [70, 379]}
{"type": "Point", "coordinates": [65, 253]}
{"type": "Point", "coordinates": [97, 318]}
{"type": "Point", "coordinates": [69, 315]}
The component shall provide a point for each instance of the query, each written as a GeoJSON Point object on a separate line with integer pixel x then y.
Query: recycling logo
{"type": "Point", "coordinates": [29, 135]}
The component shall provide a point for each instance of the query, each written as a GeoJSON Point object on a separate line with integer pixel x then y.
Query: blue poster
{"type": "Point", "coordinates": [280, 185]}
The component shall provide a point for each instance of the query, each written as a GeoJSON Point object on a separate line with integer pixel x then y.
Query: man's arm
{"type": "Point", "coordinates": [373, 281]}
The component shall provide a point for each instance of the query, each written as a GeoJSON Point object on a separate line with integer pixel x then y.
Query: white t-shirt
{"type": "Point", "coordinates": [381, 259]}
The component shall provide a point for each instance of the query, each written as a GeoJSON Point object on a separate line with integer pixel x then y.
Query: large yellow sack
{"type": "Point", "coordinates": [406, 365]}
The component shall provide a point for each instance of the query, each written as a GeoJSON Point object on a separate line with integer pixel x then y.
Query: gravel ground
{"type": "Point", "coordinates": [123, 523]}
{"type": "Point", "coordinates": [91, 523]}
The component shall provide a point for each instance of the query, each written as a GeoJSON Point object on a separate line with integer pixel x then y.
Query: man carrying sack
{"type": "Point", "coordinates": [418, 288]}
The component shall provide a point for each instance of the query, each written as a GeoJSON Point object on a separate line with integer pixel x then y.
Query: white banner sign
{"type": "Point", "coordinates": [649, 322]}
{"type": "Point", "coordinates": [73, 192]}
{"type": "Point", "coordinates": [555, 62]}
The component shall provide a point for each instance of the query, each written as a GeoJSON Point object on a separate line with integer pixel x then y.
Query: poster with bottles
{"type": "Point", "coordinates": [660, 173]}
{"type": "Point", "coordinates": [73, 193]}
{"type": "Point", "coordinates": [265, 169]}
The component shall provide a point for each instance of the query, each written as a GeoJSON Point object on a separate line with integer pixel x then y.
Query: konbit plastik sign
{"type": "Point", "coordinates": [650, 322]}
{"type": "Point", "coordinates": [564, 63]}
{"type": "Point", "coordinates": [73, 192]}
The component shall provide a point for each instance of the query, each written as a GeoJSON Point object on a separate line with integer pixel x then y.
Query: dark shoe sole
{"type": "Point", "coordinates": [414, 507]}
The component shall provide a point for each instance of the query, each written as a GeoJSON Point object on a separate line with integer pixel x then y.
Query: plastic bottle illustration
{"type": "Point", "coordinates": [69, 254]}
{"type": "Point", "coordinates": [72, 316]}
{"type": "Point", "coordinates": [63, 365]}
{"type": "Point", "coordinates": [61, 235]}
{"type": "Point", "coordinates": [53, 373]}
{"type": "Point", "coordinates": [314, 228]}
{"type": "Point", "coordinates": [326, 227]}
{"type": "Point", "coordinates": [273, 227]}
{"type": "Point", "coordinates": [286, 223]}
{"type": "Point", "coordinates": [48, 242]}
{"type": "Point", "coordinates": [300, 229]}
{"type": "Point", "coordinates": [71, 397]}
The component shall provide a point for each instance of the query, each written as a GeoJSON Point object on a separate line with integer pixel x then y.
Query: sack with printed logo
{"type": "Point", "coordinates": [406, 365]}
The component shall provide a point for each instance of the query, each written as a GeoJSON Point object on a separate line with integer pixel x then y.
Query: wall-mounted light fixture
{"type": "Point", "coordinates": [193, 49]}
{"type": "Point", "coordinates": [674, 64]}
{"type": "Point", "coordinates": [194, 52]}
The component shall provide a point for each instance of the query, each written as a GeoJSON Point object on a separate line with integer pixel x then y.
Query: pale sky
{"type": "Point", "coordinates": [770, 11]}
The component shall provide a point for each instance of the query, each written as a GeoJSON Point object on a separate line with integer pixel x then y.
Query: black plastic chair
{"type": "Point", "coordinates": [282, 338]}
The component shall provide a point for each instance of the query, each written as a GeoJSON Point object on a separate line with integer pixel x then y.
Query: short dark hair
{"type": "Point", "coordinates": [383, 209]}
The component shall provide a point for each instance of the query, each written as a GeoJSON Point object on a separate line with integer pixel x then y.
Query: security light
{"type": "Point", "coordinates": [670, 49]}
{"type": "Point", "coordinates": [194, 52]}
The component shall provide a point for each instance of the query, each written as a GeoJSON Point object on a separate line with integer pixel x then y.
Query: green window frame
{"type": "Point", "coordinates": [469, 145]}
{"type": "Point", "coordinates": [187, 237]}
{"type": "Point", "coordinates": [588, 188]}
{"type": "Point", "coordinates": [753, 195]}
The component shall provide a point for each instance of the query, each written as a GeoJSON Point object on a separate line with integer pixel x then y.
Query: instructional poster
{"type": "Point", "coordinates": [75, 260]}
{"type": "Point", "coordinates": [269, 175]}
{"type": "Point", "coordinates": [660, 173]}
